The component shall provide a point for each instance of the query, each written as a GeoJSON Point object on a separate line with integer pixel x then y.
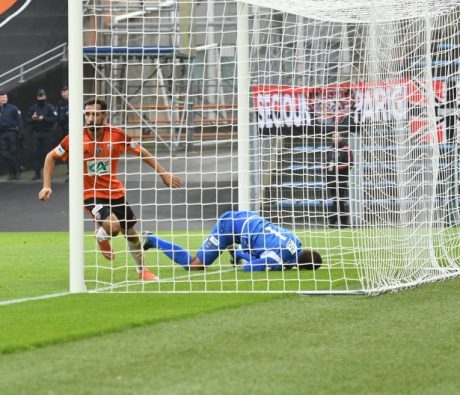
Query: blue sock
{"type": "Point", "coordinates": [173, 251]}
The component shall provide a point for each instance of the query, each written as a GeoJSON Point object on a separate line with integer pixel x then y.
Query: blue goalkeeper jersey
{"type": "Point", "coordinates": [263, 239]}
{"type": "Point", "coordinates": [263, 243]}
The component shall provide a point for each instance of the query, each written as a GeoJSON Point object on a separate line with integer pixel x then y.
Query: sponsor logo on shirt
{"type": "Point", "coordinates": [98, 167]}
{"type": "Point", "coordinates": [211, 240]}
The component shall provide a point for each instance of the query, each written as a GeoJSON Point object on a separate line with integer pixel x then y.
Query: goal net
{"type": "Point", "coordinates": [336, 120]}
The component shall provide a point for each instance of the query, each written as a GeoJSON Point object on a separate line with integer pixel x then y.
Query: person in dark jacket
{"type": "Point", "coordinates": [63, 111]}
{"type": "Point", "coordinates": [41, 117]}
{"type": "Point", "coordinates": [63, 116]}
{"type": "Point", "coordinates": [339, 163]}
{"type": "Point", "coordinates": [10, 133]}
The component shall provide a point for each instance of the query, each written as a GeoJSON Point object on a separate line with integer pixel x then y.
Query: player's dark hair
{"type": "Point", "coordinates": [309, 260]}
{"type": "Point", "coordinates": [92, 102]}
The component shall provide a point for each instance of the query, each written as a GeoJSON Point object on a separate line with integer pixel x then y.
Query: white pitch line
{"type": "Point", "coordinates": [58, 295]}
{"type": "Point", "coordinates": [41, 297]}
{"type": "Point", "coordinates": [121, 285]}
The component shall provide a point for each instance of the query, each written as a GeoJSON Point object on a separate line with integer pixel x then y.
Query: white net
{"type": "Point", "coordinates": [351, 142]}
{"type": "Point", "coordinates": [361, 11]}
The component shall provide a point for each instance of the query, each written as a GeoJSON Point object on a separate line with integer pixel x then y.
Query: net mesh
{"type": "Point", "coordinates": [352, 132]}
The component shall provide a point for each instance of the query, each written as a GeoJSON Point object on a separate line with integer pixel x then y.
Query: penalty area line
{"type": "Point", "coordinates": [32, 298]}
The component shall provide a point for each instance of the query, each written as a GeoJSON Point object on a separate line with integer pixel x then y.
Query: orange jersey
{"type": "Point", "coordinates": [101, 161]}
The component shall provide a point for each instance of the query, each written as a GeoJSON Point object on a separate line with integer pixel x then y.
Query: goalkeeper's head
{"type": "Point", "coordinates": [309, 260]}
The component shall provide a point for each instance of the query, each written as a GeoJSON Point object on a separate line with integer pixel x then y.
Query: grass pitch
{"type": "Point", "coordinates": [403, 343]}
{"type": "Point", "coordinates": [119, 276]}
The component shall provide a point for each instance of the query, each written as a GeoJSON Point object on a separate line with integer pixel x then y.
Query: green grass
{"type": "Point", "coordinates": [86, 315]}
{"type": "Point", "coordinates": [36, 263]}
{"type": "Point", "coordinates": [221, 276]}
{"type": "Point", "coordinates": [33, 264]}
{"type": "Point", "coordinates": [403, 343]}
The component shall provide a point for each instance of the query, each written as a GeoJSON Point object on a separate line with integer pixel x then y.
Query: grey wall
{"type": "Point", "coordinates": [42, 25]}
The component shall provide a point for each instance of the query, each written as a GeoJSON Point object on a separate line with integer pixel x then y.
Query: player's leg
{"type": "Point", "coordinates": [220, 238]}
{"type": "Point", "coordinates": [135, 248]}
{"type": "Point", "coordinates": [105, 230]}
{"type": "Point", "coordinates": [107, 224]}
{"type": "Point", "coordinates": [196, 264]}
{"type": "Point", "coordinates": [206, 255]}
{"type": "Point", "coordinates": [127, 222]}
{"type": "Point", "coordinates": [175, 252]}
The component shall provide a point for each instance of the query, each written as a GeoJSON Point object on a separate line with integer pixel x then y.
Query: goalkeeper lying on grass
{"type": "Point", "coordinates": [262, 245]}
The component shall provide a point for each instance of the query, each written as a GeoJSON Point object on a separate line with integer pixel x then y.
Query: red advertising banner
{"type": "Point", "coordinates": [398, 103]}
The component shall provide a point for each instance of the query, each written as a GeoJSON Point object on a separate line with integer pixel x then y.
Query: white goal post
{"type": "Point", "coordinates": [337, 120]}
{"type": "Point", "coordinates": [76, 234]}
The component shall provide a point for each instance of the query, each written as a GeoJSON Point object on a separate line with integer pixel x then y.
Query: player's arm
{"type": "Point", "coordinates": [60, 152]}
{"type": "Point", "coordinates": [48, 170]}
{"type": "Point", "coordinates": [168, 179]}
{"type": "Point", "coordinates": [258, 264]}
{"type": "Point", "coordinates": [251, 264]}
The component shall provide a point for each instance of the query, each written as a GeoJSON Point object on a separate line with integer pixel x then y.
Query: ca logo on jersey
{"type": "Point", "coordinates": [98, 167]}
{"type": "Point", "coordinates": [11, 8]}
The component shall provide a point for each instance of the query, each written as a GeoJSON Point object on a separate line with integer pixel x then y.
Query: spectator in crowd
{"type": "Point", "coordinates": [41, 117]}
{"type": "Point", "coordinates": [63, 111]}
{"type": "Point", "coordinates": [10, 133]}
{"type": "Point", "coordinates": [63, 116]}
{"type": "Point", "coordinates": [340, 160]}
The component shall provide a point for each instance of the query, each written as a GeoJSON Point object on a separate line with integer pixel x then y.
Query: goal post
{"type": "Point", "coordinates": [76, 238]}
{"type": "Point", "coordinates": [337, 120]}
{"type": "Point", "coordinates": [244, 83]}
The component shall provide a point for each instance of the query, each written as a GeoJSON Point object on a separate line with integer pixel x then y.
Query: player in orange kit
{"type": "Point", "coordinates": [104, 193]}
